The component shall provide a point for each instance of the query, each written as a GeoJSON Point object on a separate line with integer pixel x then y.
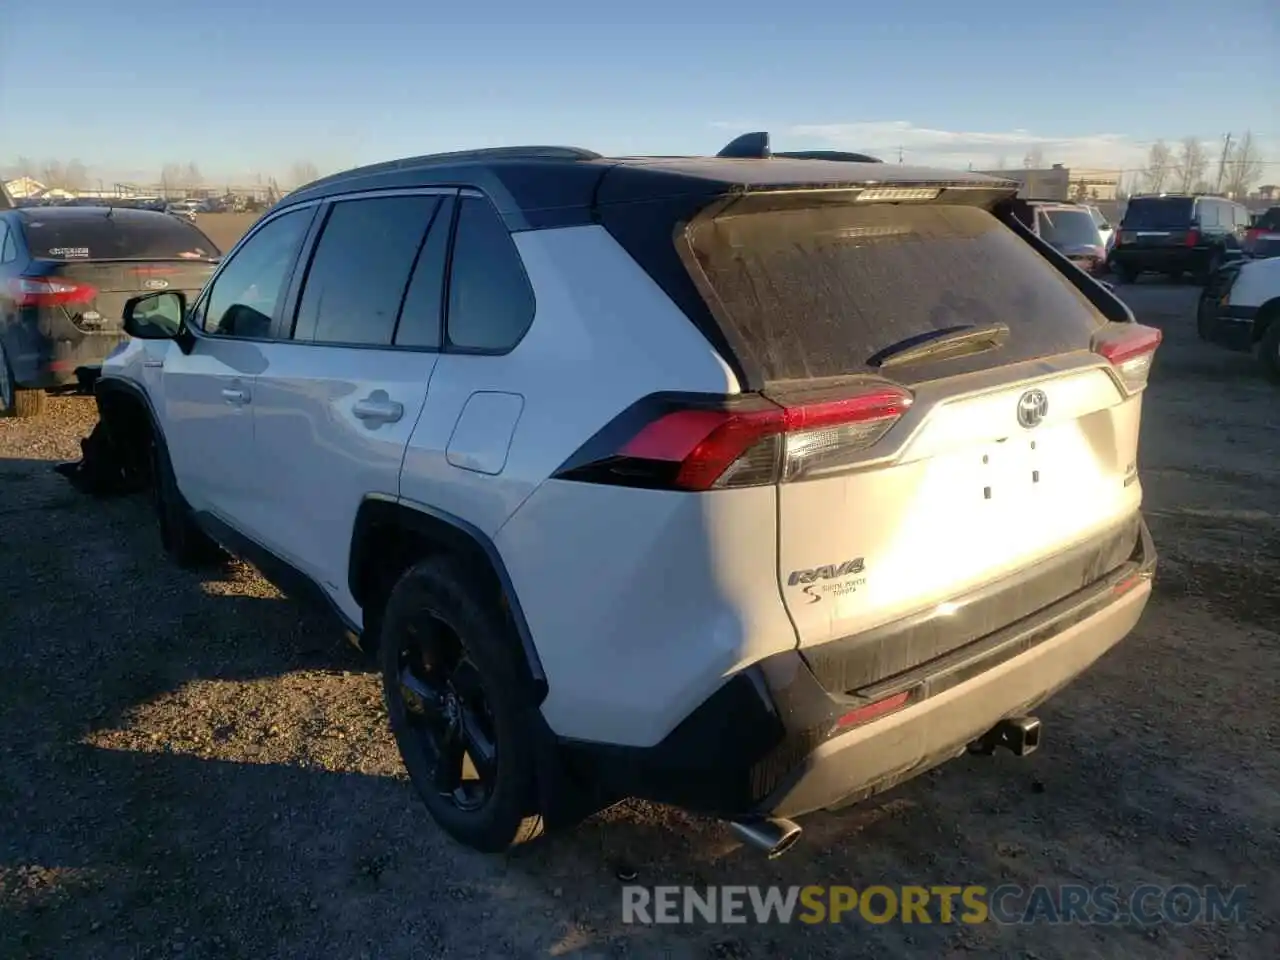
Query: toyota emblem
{"type": "Point", "coordinates": [1033, 406]}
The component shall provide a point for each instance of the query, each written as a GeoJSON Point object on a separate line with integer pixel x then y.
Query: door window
{"type": "Point", "coordinates": [361, 270]}
{"type": "Point", "coordinates": [247, 291]}
{"type": "Point", "coordinates": [422, 312]}
{"type": "Point", "coordinates": [8, 251]}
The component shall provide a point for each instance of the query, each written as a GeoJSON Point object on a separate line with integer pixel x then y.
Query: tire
{"type": "Point", "coordinates": [434, 616]}
{"type": "Point", "coordinates": [1204, 318]}
{"type": "Point", "coordinates": [188, 545]}
{"type": "Point", "coordinates": [1269, 349]}
{"type": "Point", "coordinates": [1126, 275]}
{"type": "Point", "coordinates": [15, 401]}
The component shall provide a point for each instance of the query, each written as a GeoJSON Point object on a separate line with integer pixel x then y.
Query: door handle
{"type": "Point", "coordinates": [236, 397]}
{"type": "Point", "coordinates": [378, 408]}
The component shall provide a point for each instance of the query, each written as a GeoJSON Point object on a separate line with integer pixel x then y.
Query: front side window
{"type": "Point", "coordinates": [246, 293]}
{"type": "Point", "coordinates": [361, 269]}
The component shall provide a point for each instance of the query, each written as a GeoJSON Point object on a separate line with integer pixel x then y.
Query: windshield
{"type": "Point", "coordinates": [1068, 228]}
{"type": "Point", "coordinates": [1160, 213]}
{"type": "Point", "coordinates": [820, 291]}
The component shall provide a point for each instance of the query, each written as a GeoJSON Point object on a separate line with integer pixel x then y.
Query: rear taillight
{"type": "Point", "coordinates": [1129, 348]}
{"type": "Point", "coordinates": [1193, 237]}
{"type": "Point", "coordinates": [49, 291]}
{"type": "Point", "coordinates": [734, 442]}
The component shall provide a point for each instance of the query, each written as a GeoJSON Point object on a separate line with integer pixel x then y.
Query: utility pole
{"type": "Point", "coordinates": [1222, 162]}
{"type": "Point", "coordinates": [899, 154]}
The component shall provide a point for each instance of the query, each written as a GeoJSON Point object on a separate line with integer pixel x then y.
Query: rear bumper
{"type": "Point", "coordinates": [1159, 259]}
{"type": "Point", "coordinates": [768, 741]}
{"type": "Point", "coordinates": [45, 353]}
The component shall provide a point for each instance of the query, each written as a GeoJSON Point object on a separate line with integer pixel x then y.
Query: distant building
{"type": "Point", "coordinates": [1038, 184]}
{"type": "Point", "coordinates": [1093, 184]}
{"type": "Point", "coordinates": [1268, 191]}
{"type": "Point", "coordinates": [1062, 183]}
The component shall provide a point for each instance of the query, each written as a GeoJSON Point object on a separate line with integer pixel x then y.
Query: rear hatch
{"type": "Point", "coordinates": [87, 265]}
{"type": "Point", "coordinates": [1159, 222]}
{"type": "Point", "coordinates": [951, 425]}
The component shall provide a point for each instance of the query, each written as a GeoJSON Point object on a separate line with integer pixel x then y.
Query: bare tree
{"type": "Point", "coordinates": [1001, 163]}
{"type": "Point", "coordinates": [1243, 166]}
{"type": "Point", "coordinates": [192, 179]}
{"type": "Point", "coordinates": [1190, 164]}
{"type": "Point", "coordinates": [25, 167]}
{"type": "Point", "coordinates": [303, 172]}
{"type": "Point", "coordinates": [171, 176]}
{"type": "Point", "coordinates": [1034, 159]}
{"type": "Point", "coordinates": [52, 173]}
{"type": "Point", "coordinates": [1159, 166]}
{"type": "Point", "coordinates": [74, 176]}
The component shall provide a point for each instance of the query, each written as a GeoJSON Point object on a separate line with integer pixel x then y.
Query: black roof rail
{"type": "Point", "coordinates": [755, 146]}
{"type": "Point", "coordinates": [838, 155]}
{"type": "Point", "coordinates": [538, 152]}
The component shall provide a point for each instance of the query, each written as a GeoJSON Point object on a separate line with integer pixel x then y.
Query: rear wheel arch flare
{"type": "Point", "coordinates": [1268, 314]}
{"type": "Point", "coordinates": [389, 538]}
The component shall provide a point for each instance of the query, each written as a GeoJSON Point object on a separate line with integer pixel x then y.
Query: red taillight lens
{"type": "Point", "coordinates": [871, 711]}
{"type": "Point", "coordinates": [745, 442]}
{"type": "Point", "coordinates": [1129, 348]}
{"type": "Point", "coordinates": [1193, 237]}
{"type": "Point", "coordinates": [49, 291]}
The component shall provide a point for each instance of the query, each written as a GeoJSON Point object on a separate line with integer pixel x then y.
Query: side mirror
{"type": "Point", "coordinates": [155, 316]}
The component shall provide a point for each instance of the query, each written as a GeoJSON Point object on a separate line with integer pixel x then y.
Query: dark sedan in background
{"type": "Point", "coordinates": [65, 274]}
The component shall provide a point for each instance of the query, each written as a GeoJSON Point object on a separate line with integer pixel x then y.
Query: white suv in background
{"type": "Point", "coordinates": [754, 486]}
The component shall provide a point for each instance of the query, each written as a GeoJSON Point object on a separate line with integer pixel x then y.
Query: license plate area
{"type": "Point", "coordinates": [1011, 471]}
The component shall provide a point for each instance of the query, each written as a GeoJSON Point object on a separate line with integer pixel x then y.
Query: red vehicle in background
{"type": "Point", "coordinates": [1265, 226]}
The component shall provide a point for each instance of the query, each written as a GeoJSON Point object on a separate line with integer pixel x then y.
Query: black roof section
{"type": "Point", "coordinates": [543, 186]}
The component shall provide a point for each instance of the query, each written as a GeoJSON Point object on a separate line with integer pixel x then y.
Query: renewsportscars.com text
{"type": "Point", "coordinates": [1007, 904]}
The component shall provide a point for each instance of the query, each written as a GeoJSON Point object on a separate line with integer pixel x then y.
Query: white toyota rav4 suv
{"type": "Point", "coordinates": [754, 485]}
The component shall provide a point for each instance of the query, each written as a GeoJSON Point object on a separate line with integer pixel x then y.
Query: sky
{"type": "Point", "coordinates": [245, 89]}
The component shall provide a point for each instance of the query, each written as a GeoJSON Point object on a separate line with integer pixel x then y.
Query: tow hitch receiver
{"type": "Point", "coordinates": [1019, 735]}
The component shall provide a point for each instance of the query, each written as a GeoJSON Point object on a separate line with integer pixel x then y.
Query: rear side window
{"type": "Point", "coordinates": [490, 300]}
{"type": "Point", "coordinates": [1207, 213]}
{"type": "Point", "coordinates": [1270, 221]}
{"type": "Point", "coordinates": [8, 250]}
{"type": "Point", "coordinates": [361, 268]}
{"type": "Point", "coordinates": [819, 292]}
{"type": "Point", "coordinates": [125, 235]}
{"type": "Point", "coordinates": [1158, 213]}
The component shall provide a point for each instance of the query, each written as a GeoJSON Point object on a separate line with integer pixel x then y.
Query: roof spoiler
{"type": "Point", "coordinates": [755, 146]}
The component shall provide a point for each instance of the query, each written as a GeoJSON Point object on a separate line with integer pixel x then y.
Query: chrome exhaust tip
{"type": "Point", "coordinates": [772, 835]}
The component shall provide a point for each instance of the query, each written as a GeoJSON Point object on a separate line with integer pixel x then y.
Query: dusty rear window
{"type": "Point", "coordinates": [1158, 213]}
{"type": "Point", "coordinates": [819, 292]}
{"type": "Point", "coordinates": [122, 236]}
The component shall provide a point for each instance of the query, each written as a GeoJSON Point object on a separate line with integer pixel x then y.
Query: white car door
{"type": "Point", "coordinates": [206, 390]}
{"type": "Point", "coordinates": [337, 400]}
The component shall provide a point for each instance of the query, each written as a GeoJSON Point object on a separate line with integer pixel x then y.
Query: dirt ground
{"type": "Point", "coordinates": [225, 229]}
{"type": "Point", "coordinates": [195, 766]}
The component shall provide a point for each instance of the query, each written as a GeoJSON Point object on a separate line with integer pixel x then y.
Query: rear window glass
{"type": "Point", "coordinates": [122, 236]}
{"type": "Point", "coordinates": [1158, 212]}
{"type": "Point", "coordinates": [819, 292]}
{"type": "Point", "coordinates": [1270, 220]}
{"type": "Point", "coordinates": [1068, 227]}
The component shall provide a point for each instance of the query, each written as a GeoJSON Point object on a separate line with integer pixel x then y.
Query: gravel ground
{"type": "Point", "coordinates": [197, 766]}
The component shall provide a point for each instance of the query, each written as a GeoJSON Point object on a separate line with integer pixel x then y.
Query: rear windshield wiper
{"type": "Point", "coordinates": [943, 344]}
